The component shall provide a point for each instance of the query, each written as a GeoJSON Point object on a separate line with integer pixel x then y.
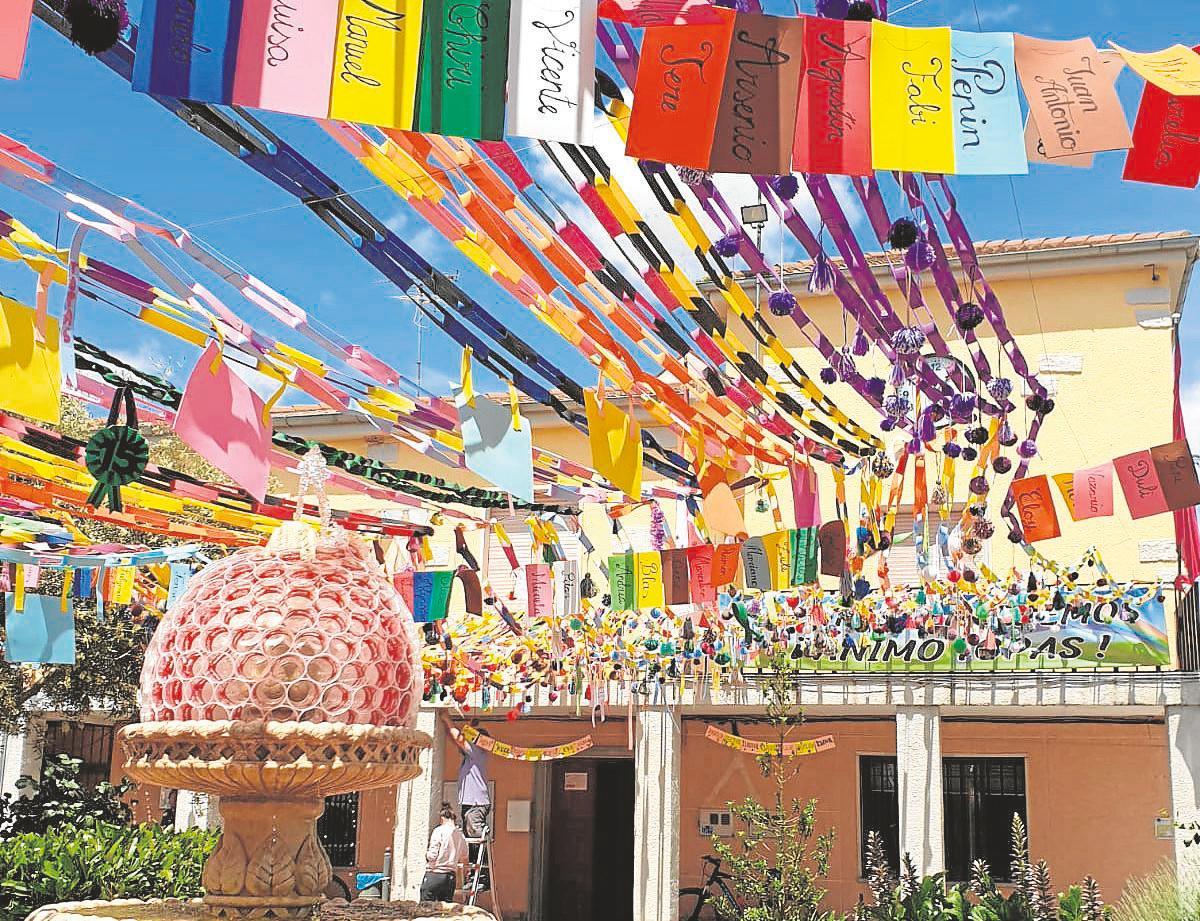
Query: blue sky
{"type": "Point", "coordinates": [75, 111]}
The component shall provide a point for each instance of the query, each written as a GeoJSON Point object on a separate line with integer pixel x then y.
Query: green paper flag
{"type": "Point", "coordinates": [804, 556]}
{"type": "Point", "coordinates": [464, 64]}
{"type": "Point", "coordinates": [620, 580]}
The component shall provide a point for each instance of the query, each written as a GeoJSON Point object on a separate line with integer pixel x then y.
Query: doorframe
{"type": "Point", "coordinates": [542, 779]}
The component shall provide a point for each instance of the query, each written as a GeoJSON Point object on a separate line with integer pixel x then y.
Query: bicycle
{"type": "Point", "coordinates": [696, 897]}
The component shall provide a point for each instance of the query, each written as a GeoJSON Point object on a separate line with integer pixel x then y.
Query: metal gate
{"type": "Point", "coordinates": [338, 829]}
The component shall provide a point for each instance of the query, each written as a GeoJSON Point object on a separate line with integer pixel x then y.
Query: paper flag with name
{"type": "Point", "coordinates": [539, 592]}
{"type": "Point", "coordinates": [912, 124]}
{"type": "Point", "coordinates": [721, 511]}
{"type": "Point", "coordinates": [431, 595]}
{"type": "Point", "coordinates": [1140, 484]}
{"type": "Point", "coordinates": [1035, 508]}
{"type": "Point", "coordinates": [41, 632]}
{"type": "Point", "coordinates": [1093, 492]}
{"type": "Point", "coordinates": [285, 56]}
{"type": "Point", "coordinates": [376, 55]}
{"type": "Point", "coordinates": [1166, 140]}
{"type": "Point", "coordinates": [1175, 70]}
{"type": "Point", "coordinates": [499, 453]}
{"type": "Point", "coordinates": [188, 49]}
{"type": "Point", "coordinates": [222, 420]}
{"type": "Point", "coordinates": [552, 70]}
{"type": "Point", "coordinates": [30, 373]}
{"type": "Point", "coordinates": [833, 126]}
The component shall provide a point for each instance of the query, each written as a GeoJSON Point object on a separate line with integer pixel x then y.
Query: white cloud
{"type": "Point", "coordinates": [1189, 398]}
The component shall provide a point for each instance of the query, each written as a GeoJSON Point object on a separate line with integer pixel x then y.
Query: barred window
{"type": "Point", "coordinates": [981, 796]}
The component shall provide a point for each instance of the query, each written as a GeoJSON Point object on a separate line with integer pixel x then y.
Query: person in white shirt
{"type": "Point", "coordinates": [447, 852]}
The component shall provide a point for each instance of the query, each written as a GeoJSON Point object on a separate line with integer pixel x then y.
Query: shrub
{"type": "Point", "coordinates": [1159, 897]}
{"type": "Point", "coordinates": [59, 797]}
{"type": "Point", "coordinates": [99, 860]}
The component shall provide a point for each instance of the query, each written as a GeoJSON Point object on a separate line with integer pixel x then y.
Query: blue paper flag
{"type": "Point", "coordinates": [180, 574]}
{"type": "Point", "coordinates": [988, 136]}
{"type": "Point", "coordinates": [495, 450]}
{"type": "Point", "coordinates": [188, 49]}
{"type": "Point", "coordinates": [41, 632]}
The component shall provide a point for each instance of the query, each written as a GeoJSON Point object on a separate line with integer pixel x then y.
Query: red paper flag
{"type": "Point", "coordinates": [678, 90]}
{"type": "Point", "coordinates": [1035, 506]}
{"type": "Point", "coordinates": [1166, 140]}
{"type": "Point", "coordinates": [700, 566]}
{"type": "Point", "coordinates": [757, 116]}
{"type": "Point", "coordinates": [833, 130]}
{"type": "Point", "coordinates": [15, 16]}
{"type": "Point", "coordinates": [1139, 482]}
{"type": "Point", "coordinates": [660, 12]}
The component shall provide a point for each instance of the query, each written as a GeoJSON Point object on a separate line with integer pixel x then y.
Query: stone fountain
{"type": "Point", "coordinates": [283, 674]}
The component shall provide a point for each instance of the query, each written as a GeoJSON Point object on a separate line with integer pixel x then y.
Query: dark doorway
{"type": "Point", "coordinates": [589, 842]}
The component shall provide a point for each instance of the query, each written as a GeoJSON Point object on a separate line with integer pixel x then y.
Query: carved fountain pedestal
{"type": "Point", "coordinates": [272, 778]}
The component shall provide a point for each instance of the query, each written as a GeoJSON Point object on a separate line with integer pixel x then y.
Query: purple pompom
{"type": "Point", "coordinates": [1027, 448]}
{"type": "Point", "coordinates": [903, 233]}
{"type": "Point", "coordinates": [861, 344]}
{"type": "Point", "coordinates": [908, 340]}
{"type": "Point", "coordinates": [860, 11]}
{"type": "Point", "coordinates": [690, 176]}
{"type": "Point", "coordinates": [1034, 402]}
{"type": "Point", "coordinates": [820, 279]}
{"type": "Point", "coordinates": [969, 453]}
{"type": "Point", "coordinates": [999, 388]}
{"type": "Point", "coordinates": [951, 449]}
{"type": "Point", "coordinates": [979, 485]}
{"type": "Point", "coordinates": [781, 303]}
{"type": "Point", "coordinates": [882, 466]}
{"type": "Point", "coordinates": [729, 245]}
{"type": "Point", "coordinates": [96, 25]}
{"type": "Point", "coordinates": [920, 256]}
{"type": "Point", "coordinates": [983, 528]}
{"type": "Point", "coordinates": [785, 186]}
{"type": "Point", "coordinates": [1002, 465]}
{"type": "Point", "coordinates": [968, 316]}
{"type": "Point", "coordinates": [897, 376]}
{"type": "Point", "coordinates": [832, 9]}
{"type": "Point", "coordinates": [971, 545]}
{"type": "Point", "coordinates": [829, 376]}
{"type": "Point", "coordinates": [887, 424]}
{"type": "Point", "coordinates": [962, 407]}
{"type": "Point", "coordinates": [977, 435]}
{"type": "Point", "coordinates": [876, 386]}
{"type": "Point", "coordinates": [658, 527]}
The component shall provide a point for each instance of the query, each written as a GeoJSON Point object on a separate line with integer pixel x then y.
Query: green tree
{"type": "Point", "coordinates": [776, 859]}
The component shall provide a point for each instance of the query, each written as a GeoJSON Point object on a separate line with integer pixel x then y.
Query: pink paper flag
{"type": "Point", "coordinates": [1139, 482]}
{"type": "Point", "coordinates": [221, 419]}
{"type": "Point", "coordinates": [15, 16]}
{"type": "Point", "coordinates": [1094, 492]}
{"type": "Point", "coordinates": [285, 56]}
{"type": "Point", "coordinates": [806, 498]}
{"type": "Point", "coordinates": [539, 592]}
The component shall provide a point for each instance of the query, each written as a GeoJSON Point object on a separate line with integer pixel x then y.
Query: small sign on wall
{"type": "Point", "coordinates": [518, 815]}
{"type": "Point", "coordinates": [573, 781]}
{"type": "Point", "coordinates": [1164, 827]}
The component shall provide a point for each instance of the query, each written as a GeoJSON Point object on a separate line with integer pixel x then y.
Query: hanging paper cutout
{"type": "Point", "coordinates": [188, 49]}
{"type": "Point", "coordinates": [806, 496]}
{"type": "Point", "coordinates": [464, 62]}
{"type": "Point", "coordinates": [30, 373]}
{"type": "Point", "coordinates": [987, 108]}
{"type": "Point", "coordinates": [1071, 99]}
{"type": "Point", "coordinates": [833, 127]}
{"type": "Point", "coordinates": [644, 13]}
{"type": "Point", "coordinates": [1140, 484]}
{"type": "Point", "coordinates": [116, 455]}
{"type": "Point", "coordinates": [468, 578]}
{"type": "Point", "coordinates": [285, 56]}
{"type": "Point", "coordinates": [1093, 492]}
{"type": "Point", "coordinates": [431, 595]}
{"type": "Point", "coordinates": [755, 565]}
{"type": "Point", "coordinates": [756, 117]}
{"type": "Point", "coordinates": [778, 546]}
{"type": "Point", "coordinates": [700, 571]}
{"type": "Point", "coordinates": [648, 580]}
{"type": "Point", "coordinates": [1175, 70]}
{"type": "Point", "coordinates": [620, 581]}
{"type": "Point", "coordinates": [552, 70]}
{"type": "Point", "coordinates": [376, 55]}
{"type": "Point", "coordinates": [567, 597]}
{"type": "Point", "coordinates": [1035, 508]}
{"type": "Point", "coordinates": [222, 420]}
{"type": "Point", "coordinates": [676, 94]}
{"type": "Point", "coordinates": [15, 16]}
{"type": "Point", "coordinates": [181, 574]}
{"type": "Point", "coordinates": [539, 591]}
{"type": "Point", "coordinates": [121, 588]}
{"type": "Point", "coordinates": [616, 442]}
{"type": "Point", "coordinates": [494, 449]}
{"type": "Point", "coordinates": [1111, 64]}
{"type": "Point", "coordinates": [912, 123]}
{"type": "Point", "coordinates": [832, 540]}
{"type": "Point", "coordinates": [1176, 474]}
{"type": "Point", "coordinates": [721, 511]}
{"type": "Point", "coordinates": [676, 575]}
{"type": "Point", "coordinates": [1166, 140]}
{"type": "Point", "coordinates": [725, 560]}
{"type": "Point", "coordinates": [39, 629]}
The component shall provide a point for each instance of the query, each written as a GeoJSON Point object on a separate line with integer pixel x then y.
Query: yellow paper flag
{"type": "Point", "coordinates": [376, 53]}
{"type": "Point", "coordinates": [1066, 485]}
{"type": "Point", "coordinates": [912, 127]}
{"type": "Point", "coordinates": [779, 556]}
{"type": "Point", "coordinates": [648, 579]}
{"type": "Point", "coordinates": [1175, 69]}
{"type": "Point", "coordinates": [122, 584]}
{"type": "Point", "coordinates": [29, 370]}
{"type": "Point", "coordinates": [616, 441]}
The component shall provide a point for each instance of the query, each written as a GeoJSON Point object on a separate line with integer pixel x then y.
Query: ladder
{"type": "Point", "coordinates": [483, 868]}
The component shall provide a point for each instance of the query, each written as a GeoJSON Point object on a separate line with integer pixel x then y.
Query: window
{"type": "Point", "coordinates": [338, 829]}
{"type": "Point", "coordinates": [879, 807]}
{"type": "Point", "coordinates": [91, 743]}
{"type": "Point", "coordinates": [980, 797]}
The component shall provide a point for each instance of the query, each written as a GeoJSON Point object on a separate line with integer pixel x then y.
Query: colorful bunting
{"type": "Point", "coordinates": [1140, 484]}
{"type": "Point", "coordinates": [188, 49]}
{"type": "Point", "coordinates": [833, 129]}
{"type": "Point", "coordinates": [912, 122]}
{"type": "Point", "coordinates": [987, 110]}
{"type": "Point", "coordinates": [1093, 492]}
{"type": "Point", "coordinates": [1166, 140]}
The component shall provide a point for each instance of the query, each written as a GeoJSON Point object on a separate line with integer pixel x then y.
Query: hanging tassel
{"type": "Point", "coordinates": [862, 345]}
{"type": "Point", "coordinates": [821, 278]}
{"type": "Point", "coordinates": [658, 527]}
{"type": "Point", "coordinates": [96, 25]}
{"type": "Point", "coordinates": [897, 377]}
{"type": "Point", "coordinates": [860, 11]}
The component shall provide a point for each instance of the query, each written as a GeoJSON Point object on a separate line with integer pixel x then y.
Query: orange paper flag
{"type": "Point", "coordinates": [1035, 506]}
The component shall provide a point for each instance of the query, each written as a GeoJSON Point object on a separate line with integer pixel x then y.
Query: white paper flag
{"type": "Point", "coordinates": [566, 589]}
{"type": "Point", "coordinates": [552, 70]}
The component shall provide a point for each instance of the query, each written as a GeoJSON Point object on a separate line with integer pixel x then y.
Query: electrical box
{"type": "Point", "coordinates": [717, 822]}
